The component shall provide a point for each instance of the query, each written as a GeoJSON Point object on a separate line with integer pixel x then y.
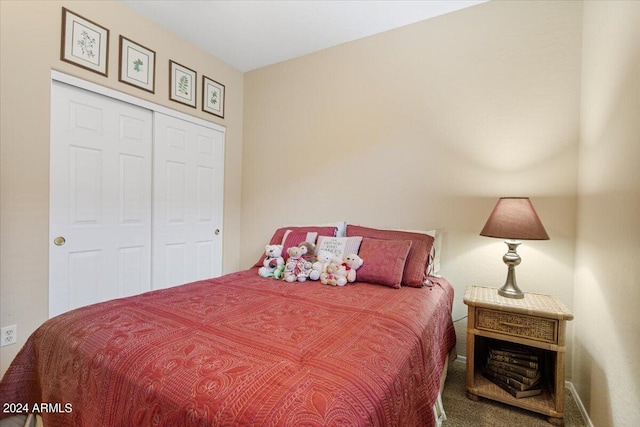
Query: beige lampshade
{"type": "Point", "coordinates": [514, 218]}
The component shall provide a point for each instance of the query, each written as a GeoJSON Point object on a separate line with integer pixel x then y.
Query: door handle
{"type": "Point", "coordinates": [59, 241]}
{"type": "Point", "coordinates": [217, 231]}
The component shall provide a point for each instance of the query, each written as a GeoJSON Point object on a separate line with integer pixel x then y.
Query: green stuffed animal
{"type": "Point", "coordinates": [278, 272]}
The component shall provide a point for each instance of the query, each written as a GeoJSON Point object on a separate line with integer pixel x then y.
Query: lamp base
{"type": "Point", "coordinates": [510, 288]}
{"type": "Point", "coordinates": [510, 292]}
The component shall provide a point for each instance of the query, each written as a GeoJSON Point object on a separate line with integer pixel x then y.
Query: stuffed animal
{"type": "Point", "coordinates": [335, 275]}
{"type": "Point", "coordinates": [311, 250]}
{"type": "Point", "coordinates": [296, 268]}
{"type": "Point", "coordinates": [272, 261]}
{"type": "Point", "coordinates": [352, 263]}
{"type": "Point", "coordinates": [323, 259]}
{"type": "Point", "coordinates": [279, 272]}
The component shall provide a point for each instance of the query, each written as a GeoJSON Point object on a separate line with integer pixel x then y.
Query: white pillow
{"type": "Point", "coordinates": [342, 228]}
{"type": "Point", "coordinates": [340, 247]}
{"type": "Point", "coordinates": [437, 248]}
{"type": "Point", "coordinates": [341, 225]}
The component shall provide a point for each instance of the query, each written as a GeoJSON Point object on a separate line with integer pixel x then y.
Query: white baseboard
{"type": "Point", "coordinates": [576, 397]}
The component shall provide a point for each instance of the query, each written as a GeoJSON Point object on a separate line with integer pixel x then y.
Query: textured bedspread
{"type": "Point", "coordinates": [241, 351]}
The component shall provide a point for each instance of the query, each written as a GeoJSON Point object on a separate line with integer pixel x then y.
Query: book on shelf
{"type": "Point", "coordinates": [515, 368]}
{"type": "Point", "coordinates": [518, 369]}
{"type": "Point", "coordinates": [513, 354]}
{"type": "Point", "coordinates": [518, 385]}
{"type": "Point", "coordinates": [521, 378]}
{"type": "Point", "coordinates": [513, 360]}
{"type": "Point", "coordinates": [518, 394]}
{"type": "Point", "coordinates": [513, 350]}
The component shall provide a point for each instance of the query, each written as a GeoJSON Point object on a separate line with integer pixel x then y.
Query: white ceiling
{"type": "Point", "coordinates": [249, 34]}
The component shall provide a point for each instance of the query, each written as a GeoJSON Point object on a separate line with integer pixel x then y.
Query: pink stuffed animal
{"type": "Point", "coordinates": [296, 268]}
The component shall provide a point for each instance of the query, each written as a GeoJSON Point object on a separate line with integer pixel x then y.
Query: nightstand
{"type": "Point", "coordinates": [538, 321]}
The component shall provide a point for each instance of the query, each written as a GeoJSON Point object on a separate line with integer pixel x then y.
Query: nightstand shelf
{"type": "Point", "coordinates": [540, 403]}
{"type": "Point", "coordinates": [537, 321]}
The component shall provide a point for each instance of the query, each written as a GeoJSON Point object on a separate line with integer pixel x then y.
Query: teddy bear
{"type": "Point", "coordinates": [311, 250]}
{"type": "Point", "coordinates": [296, 268]}
{"type": "Point", "coordinates": [334, 275]}
{"type": "Point", "coordinates": [323, 259]}
{"type": "Point", "coordinates": [351, 263]}
{"type": "Point", "coordinates": [272, 262]}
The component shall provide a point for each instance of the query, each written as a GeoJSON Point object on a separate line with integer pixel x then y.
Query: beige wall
{"type": "Point", "coordinates": [425, 127]}
{"type": "Point", "coordinates": [606, 368]}
{"type": "Point", "coordinates": [30, 37]}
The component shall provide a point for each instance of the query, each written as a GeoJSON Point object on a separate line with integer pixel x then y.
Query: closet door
{"type": "Point", "coordinates": [187, 202]}
{"type": "Point", "coordinates": [100, 199]}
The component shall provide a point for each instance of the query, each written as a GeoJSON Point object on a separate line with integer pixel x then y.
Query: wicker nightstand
{"type": "Point", "coordinates": [537, 321]}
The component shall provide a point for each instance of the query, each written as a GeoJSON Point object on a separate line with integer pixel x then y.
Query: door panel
{"type": "Point", "coordinates": [132, 190]}
{"type": "Point", "coordinates": [204, 195]}
{"type": "Point", "coordinates": [176, 192]}
{"type": "Point", "coordinates": [133, 269]}
{"type": "Point", "coordinates": [85, 188]}
{"type": "Point", "coordinates": [188, 195]}
{"type": "Point", "coordinates": [174, 264]}
{"type": "Point", "coordinates": [100, 198]}
{"type": "Point", "coordinates": [204, 252]}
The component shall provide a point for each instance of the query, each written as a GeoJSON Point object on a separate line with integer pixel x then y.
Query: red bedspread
{"type": "Point", "coordinates": [241, 350]}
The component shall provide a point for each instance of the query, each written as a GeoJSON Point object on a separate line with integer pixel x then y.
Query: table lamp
{"type": "Point", "coordinates": [513, 218]}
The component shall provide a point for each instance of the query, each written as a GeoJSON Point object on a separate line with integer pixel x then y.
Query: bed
{"type": "Point", "coordinates": [242, 350]}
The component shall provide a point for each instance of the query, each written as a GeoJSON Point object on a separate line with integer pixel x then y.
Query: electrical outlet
{"type": "Point", "coordinates": [8, 335]}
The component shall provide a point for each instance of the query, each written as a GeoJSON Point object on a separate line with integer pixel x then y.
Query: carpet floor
{"type": "Point", "coordinates": [462, 412]}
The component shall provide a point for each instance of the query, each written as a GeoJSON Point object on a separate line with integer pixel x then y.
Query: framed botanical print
{"type": "Point", "coordinates": [182, 84]}
{"type": "Point", "coordinates": [84, 43]}
{"type": "Point", "coordinates": [137, 65]}
{"type": "Point", "coordinates": [212, 97]}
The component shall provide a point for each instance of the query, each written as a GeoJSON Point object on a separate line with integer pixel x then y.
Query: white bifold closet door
{"type": "Point", "coordinates": [100, 199]}
{"type": "Point", "coordinates": [188, 196]}
{"type": "Point", "coordinates": [136, 199]}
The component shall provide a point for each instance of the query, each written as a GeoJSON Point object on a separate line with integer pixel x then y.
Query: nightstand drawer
{"type": "Point", "coordinates": [536, 328]}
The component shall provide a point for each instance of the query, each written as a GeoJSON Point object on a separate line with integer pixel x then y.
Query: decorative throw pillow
{"type": "Point", "coordinates": [384, 261]}
{"type": "Point", "coordinates": [278, 235]}
{"type": "Point", "coordinates": [340, 247]}
{"type": "Point", "coordinates": [415, 269]}
{"type": "Point", "coordinates": [433, 266]}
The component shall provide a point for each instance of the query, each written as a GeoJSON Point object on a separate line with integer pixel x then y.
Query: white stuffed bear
{"type": "Point", "coordinates": [272, 261]}
{"type": "Point", "coordinates": [320, 266]}
{"type": "Point", "coordinates": [352, 263]}
{"type": "Point", "coordinates": [296, 268]}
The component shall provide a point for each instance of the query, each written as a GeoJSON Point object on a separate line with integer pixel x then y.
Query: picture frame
{"type": "Point", "coordinates": [137, 65]}
{"type": "Point", "coordinates": [212, 97]}
{"type": "Point", "coordinates": [84, 43]}
{"type": "Point", "coordinates": [182, 84]}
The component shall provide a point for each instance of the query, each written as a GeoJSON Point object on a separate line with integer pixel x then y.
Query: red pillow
{"type": "Point", "coordinates": [278, 235]}
{"type": "Point", "coordinates": [415, 269]}
{"type": "Point", "coordinates": [384, 261]}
